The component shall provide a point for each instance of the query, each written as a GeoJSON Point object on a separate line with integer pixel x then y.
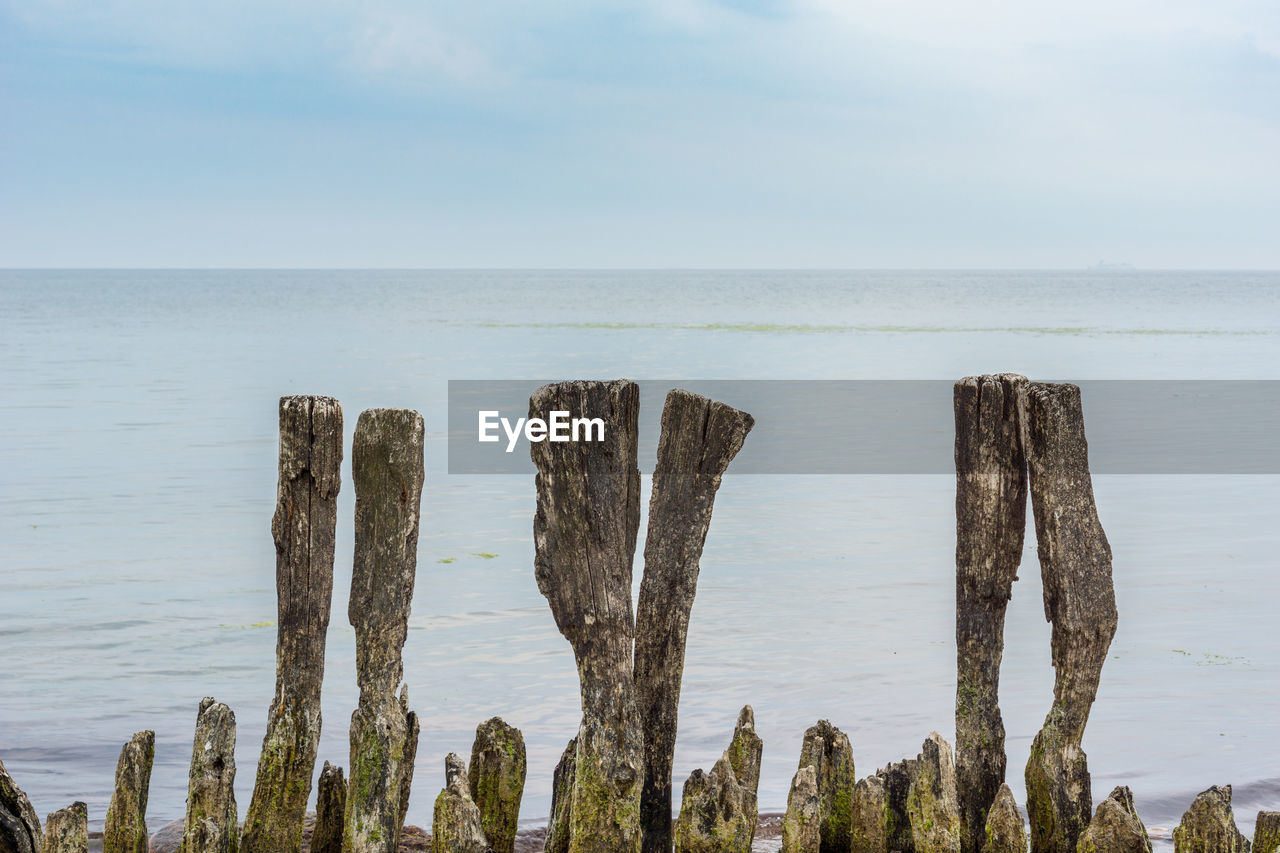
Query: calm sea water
{"type": "Point", "coordinates": [137, 482]}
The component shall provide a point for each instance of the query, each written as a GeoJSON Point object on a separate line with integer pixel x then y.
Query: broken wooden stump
{"type": "Point", "coordinates": [745, 753]}
{"type": "Point", "coordinates": [1005, 831]}
{"type": "Point", "coordinates": [714, 817]}
{"type": "Point", "coordinates": [699, 438]}
{"type": "Point", "coordinates": [827, 749]}
{"type": "Point", "coordinates": [588, 514]}
{"type": "Point", "coordinates": [1079, 600]}
{"type": "Point", "coordinates": [1266, 833]}
{"type": "Point", "coordinates": [303, 529]}
{"type": "Point", "coordinates": [1209, 826]}
{"type": "Point", "coordinates": [331, 805]}
{"type": "Point", "coordinates": [19, 826]}
{"type": "Point", "coordinates": [897, 787]}
{"type": "Point", "coordinates": [1116, 827]}
{"type": "Point", "coordinates": [496, 778]}
{"type": "Point", "coordinates": [455, 824]}
{"type": "Point", "coordinates": [870, 817]}
{"type": "Point", "coordinates": [718, 810]}
{"type": "Point", "coordinates": [126, 825]}
{"type": "Point", "coordinates": [932, 809]}
{"type": "Point", "coordinates": [561, 801]}
{"type": "Point", "coordinates": [387, 470]}
{"type": "Point", "coordinates": [212, 823]}
{"type": "Point", "coordinates": [802, 824]}
{"type": "Point", "coordinates": [991, 509]}
{"type": "Point", "coordinates": [67, 830]}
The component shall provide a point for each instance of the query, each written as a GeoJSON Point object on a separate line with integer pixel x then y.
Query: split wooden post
{"type": "Point", "coordinates": [588, 515]}
{"type": "Point", "coordinates": [991, 517]}
{"type": "Point", "coordinates": [303, 527]}
{"type": "Point", "coordinates": [1080, 602]}
{"type": "Point", "coordinates": [699, 438]}
{"type": "Point", "coordinates": [387, 470]}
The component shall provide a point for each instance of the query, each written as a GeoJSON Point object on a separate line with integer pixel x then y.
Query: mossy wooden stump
{"type": "Point", "coordinates": [496, 777]}
{"type": "Point", "coordinates": [1209, 825]}
{"type": "Point", "coordinates": [67, 830]}
{"type": "Point", "coordinates": [718, 810]}
{"type": "Point", "coordinates": [19, 826]}
{"type": "Point", "coordinates": [802, 824]}
{"type": "Point", "coordinates": [456, 821]}
{"type": "Point", "coordinates": [126, 825]}
{"type": "Point", "coordinates": [828, 751]}
{"type": "Point", "coordinates": [331, 806]}
{"type": "Point", "coordinates": [212, 824]}
{"type": "Point", "coordinates": [1005, 832]}
{"type": "Point", "coordinates": [1266, 833]}
{"type": "Point", "coordinates": [932, 809]}
{"type": "Point", "coordinates": [1116, 827]}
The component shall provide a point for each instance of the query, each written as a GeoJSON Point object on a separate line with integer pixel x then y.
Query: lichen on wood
{"type": "Point", "coordinates": [303, 528]}
{"type": "Point", "coordinates": [585, 528]}
{"type": "Point", "coordinates": [19, 826]}
{"type": "Point", "coordinates": [331, 806]}
{"type": "Point", "coordinates": [802, 823]}
{"type": "Point", "coordinates": [828, 751]}
{"type": "Point", "coordinates": [991, 501]}
{"type": "Point", "coordinates": [1005, 831]}
{"type": "Point", "coordinates": [1266, 832]}
{"type": "Point", "coordinates": [456, 822]}
{"type": "Point", "coordinates": [1116, 827]}
{"type": "Point", "coordinates": [718, 810]}
{"type": "Point", "coordinates": [126, 824]}
{"type": "Point", "coordinates": [387, 471]}
{"type": "Point", "coordinates": [496, 777]}
{"type": "Point", "coordinates": [67, 830]}
{"type": "Point", "coordinates": [870, 829]}
{"type": "Point", "coordinates": [1209, 825]}
{"type": "Point", "coordinates": [1079, 601]}
{"type": "Point", "coordinates": [212, 824]}
{"type": "Point", "coordinates": [932, 809]}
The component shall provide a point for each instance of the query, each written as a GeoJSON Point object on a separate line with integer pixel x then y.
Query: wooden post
{"type": "Point", "coordinates": [212, 824]}
{"type": "Point", "coordinates": [455, 820]}
{"type": "Point", "coordinates": [496, 779]}
{"type": "Point", "coordinates": [303, 528]}
{"type": "Point", "coordinates": [19, 825]}
{"type": "Point", "coordinates": [588, 515]}
{"type": "Point", "coordinates": [828, 751]}
{"type": "Point", "coordinates": [1079, 599]}
{"type": "Point", "coordinates": [126, 827]}
{"type": "Point", "coordinates": [991, 517]}
{"type": "Point", "coordinates": [699, 439]}
{"type": "Point", "coordinates": [386, 467]}
{"type": "Point", "coordinates": [67, 830]}
{"type": "Point", "coordinates": [561, 800]}
{"type": "Point", "coordinates": [331, 803]}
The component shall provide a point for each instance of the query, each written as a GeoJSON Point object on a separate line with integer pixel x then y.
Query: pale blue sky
{"type": "Point", "coordinates": [813, 133]}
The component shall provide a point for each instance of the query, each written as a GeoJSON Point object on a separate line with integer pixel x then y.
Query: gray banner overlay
{"type": "Point", "coordinates": [908, 426]}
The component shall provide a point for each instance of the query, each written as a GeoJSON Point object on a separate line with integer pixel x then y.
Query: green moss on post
{"type": "Point", "coordinates": [1209, 826]}
{"type": "Point", "coordinates": [496, 777]}
{"type": "Point", "coordinates": [126, 826]}
{"type": "Point", "coordinates": [212, 825]}
{"type": "Point", "coordinates": [827, 749]}
{"type": "Point", "coordinates": [67, 830]}
{"type": "Point", "coordinates": [1266, 833]}
{"type": "Point", "coordinates": [932, 808]}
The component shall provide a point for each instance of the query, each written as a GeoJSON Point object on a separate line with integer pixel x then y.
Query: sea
{"type": "Point", "coordinates": [138, 429]}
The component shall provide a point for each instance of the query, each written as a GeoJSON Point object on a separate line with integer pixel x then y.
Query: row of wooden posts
{"type": "Point", "coordinates": [613, 786]}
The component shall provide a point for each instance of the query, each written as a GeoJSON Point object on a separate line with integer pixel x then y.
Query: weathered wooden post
{"type": "Point", "coordinates": [1116, 827]}
{"type": "Point", "coordinates": [19, 825]}
{"type": "Point", "coordinates": [871, 817]}
{"type": "Point", "coordinates": [1209, 825]}
{"type": "Point", "coordinates": [496, 778]}
{"type": "Point", "coordinates": [331, 803]}
{"type": "Point", "coordinates": [212, 824]}
{"type": "Point", "coordinates": [562, 800]}
{"type": "Point", "coordinates": [455, 821]}
{"type": "Point", "coordinates": [828, 751]}
{"type": "Point", "coordinates": [991, 512]}
{"type": "Point", "coordinates": [387, 470]}
{"type": "Point", "coordinates": [1079, 600]}
{"type": "Point", "coordinates": [1005, 832]}
{"type": "Point", "coordinates": [718, 810]}
{"type": "Point", "coordinates": [699, 439]}
{"type": "Point", "coordinates": [126, 827]}
{"type": "Point", "coordinates": [67, 830]}
{"type": "Point", "coordinates": [588, 514]}
{"type": "Point", "coordinates": [932, 808]}
{"type": "Point", "coordinates": [802, 824]}
{"type": "Point", "coordinates": [303, 529]}
{"type": "Point", "coordinates": [1266, 832]}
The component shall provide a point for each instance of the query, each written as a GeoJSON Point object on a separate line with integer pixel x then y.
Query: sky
{"type": "Point", "coordinates": [620, 133]}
